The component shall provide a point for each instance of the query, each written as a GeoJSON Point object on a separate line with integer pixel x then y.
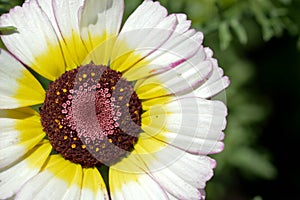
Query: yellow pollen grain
{"type": "Point", "coordinates": [121, 90]}
{"type": "Point", "coordinates": [83, 146]}
{"type": "Point", "coordinates": [84, 75]}
{"type": "Point", "coordinates": [56, 101]}
{"type": "Point", "coordinates": [73, 146]}
{"type": "Point", "coordinates": [113, 88]}
{"type": "Point", "coordinates": [121, 97]}
{"type": "Point", "coordinates": [136, 112]}
{"type": "Point", "coordinates": [93, 74]}
{"type": "Point", "coordinates": [64, 90]}
{"type": "Point", "coordinates": [127, 104]}
{"type": "Point", "coordinates": [110, 140]}
{"type": "Point", "coordinates": [60, 127]}
{"type": "Point", "coordinates": [97, 149]}
{"type": "Point", "coordinates": [74, 138]}
{"type": "Point", "coordinates": [57, 93]}
{"type": "Point", "coordinates": [80, 79]}
{"type": "Point", "coordinates": [65, 137]}
{"type": "Point", "coordinates": [57, 121]}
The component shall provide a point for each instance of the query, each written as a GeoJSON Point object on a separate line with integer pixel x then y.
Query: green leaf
{"type": "Point", "coordinates": [239, 30]}
{"type": "Point", "coordinates": [43, 81]}
{"type": "Point", "coordinates": [5, 1]}
{"type": "Point", "coordinates": [224, 35]}
{"type": "Point", "coordinates": [253, 163]}
{"type": "Point", "coordinates": [104, 171]}
{"type": "Point", "coordinates": [37, 107]}
{"type": "Point", "coordinates": [7, 30]}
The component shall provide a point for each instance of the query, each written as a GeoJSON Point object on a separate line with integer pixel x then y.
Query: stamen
{"type": "Point", "coordinates": [92, 116]}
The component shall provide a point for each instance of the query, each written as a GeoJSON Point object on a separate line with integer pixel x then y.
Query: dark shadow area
{"type": "Point", "coordinates": [278, 80]}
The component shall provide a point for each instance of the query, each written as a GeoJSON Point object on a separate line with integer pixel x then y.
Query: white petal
{"type": "Point", "coordinates": [39, 182]}
{"type": "Point", "coordinates": [178, 49]}
{"type": "Point", "coordinates": [191, 144]}
{"type": "Point", "coordinates": [181, 79]}
{"type": "Point", "coordinates": [191, 124]}
{"type": "Point", "coordinates": [195, 170]}
{"type": "Point", "coordinates": [18, 87]}
{"type": "Point", "coordinates": [183, 23]}
{"type": "Point", "coordinates": [60, 179]}
{"type": "Point", "coordinates": [11, 182]}
{"type": "Point", "coordinates": [139, 35]}
{"type": "Point", "coordinates": [147, 15]}
{"type": "Point", "coordinates": [72, 57]}
{"type": "Point", "coordinates": [176, 186]}
{"type": "Point", "coordinates": [47, 8]}
{"type": "Point", "coordinates": [10, 155]}
{"type": "Point", "coordinates": [180, 173]}
{"type": "Point", "coordinates": [96, 12]}
{"type": "Point", "coordinates": [35, 42]}
{"type": "Point", "coordinates": [93, 186]}
{"type": "Point", "coordinates": [15, 140]}
{"type": "Point", "coordinates": [73, 192]}
{"type": "Point", "coordinates": [130, 186]}
{"type": "Point", "coordinates": [159, 161]}
{"type": "Point", "coordinates": [67, 15]}
{"type": "Point", "coordinates": [99, 26]}
{"type": "Point", "coordinates": [42, 181]}
{"type": "Point", "coordinates": [216, 83]}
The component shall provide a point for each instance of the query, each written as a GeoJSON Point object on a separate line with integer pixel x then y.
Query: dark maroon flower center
{"type": "Point", "coordinates": [92, 116]}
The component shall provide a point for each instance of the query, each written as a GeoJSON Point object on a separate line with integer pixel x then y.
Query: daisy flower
{"type": "Point", "coordinates": [137, 99]}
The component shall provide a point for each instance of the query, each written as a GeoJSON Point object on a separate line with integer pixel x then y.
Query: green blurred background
{"type": "Point", "coordinates": [257, 43]}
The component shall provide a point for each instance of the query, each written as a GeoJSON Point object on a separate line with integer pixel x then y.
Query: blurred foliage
{"type": "Point", "coordinates": [5, 5]}
{"type": "Point", "coordinates": [227, 17]}
{"type": "Point", "coordinates": [7, 30]}
{"type": "Point", "coordinates": [231, 27]}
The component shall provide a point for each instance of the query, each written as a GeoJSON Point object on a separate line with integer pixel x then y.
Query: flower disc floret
{"type": "Point", "coordinates": [92, 115]}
